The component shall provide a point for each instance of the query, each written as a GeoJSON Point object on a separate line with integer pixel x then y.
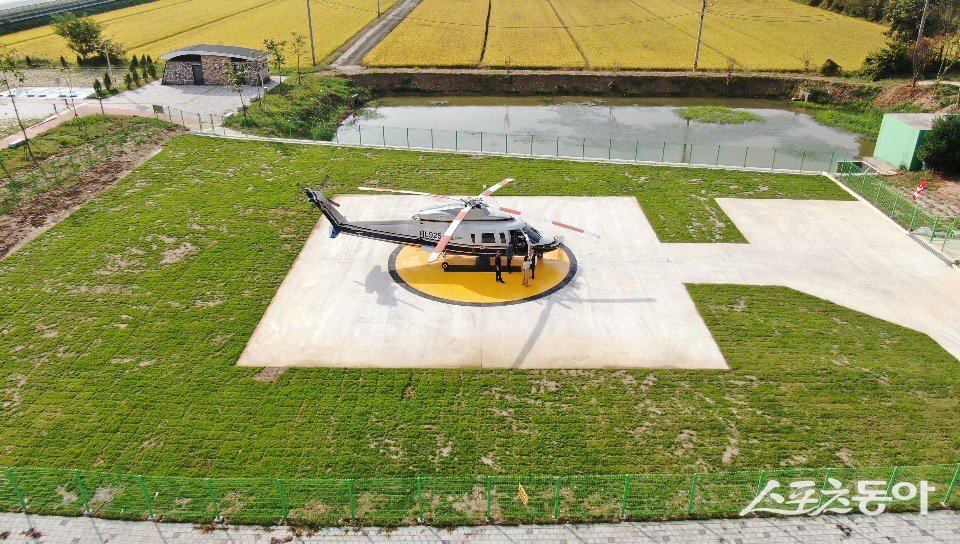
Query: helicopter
{"type": "Point", "coordinates": [470, 226]}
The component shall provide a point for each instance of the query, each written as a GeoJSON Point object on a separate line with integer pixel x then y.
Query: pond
{"type": "Point", "coordinates": [649, 121]}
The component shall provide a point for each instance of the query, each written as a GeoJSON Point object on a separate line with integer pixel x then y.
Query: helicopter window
{"type": "Point", "coordinates": [532, 234]}
{"type": "Point", "coordinates": [473, 238]}
{"type": "Point", "coordinates": [503, 238]}
{"type": "Point", "coordinates": [487, 238]}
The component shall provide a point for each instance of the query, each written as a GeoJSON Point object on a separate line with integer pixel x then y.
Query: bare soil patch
{"type": "Point", "coordinates": [41, 212]}
{"type": "Point", "coordinates": [942, 195]}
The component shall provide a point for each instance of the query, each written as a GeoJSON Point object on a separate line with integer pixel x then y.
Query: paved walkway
{"type": "Point", "coordinates": [936, 527]}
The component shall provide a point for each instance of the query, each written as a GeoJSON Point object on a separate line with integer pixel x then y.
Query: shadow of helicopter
{"type": "Point", "coordinates": [379, 282]}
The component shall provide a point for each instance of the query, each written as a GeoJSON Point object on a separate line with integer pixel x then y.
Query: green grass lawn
{"type": "Point", "coordinates": [120, 329]}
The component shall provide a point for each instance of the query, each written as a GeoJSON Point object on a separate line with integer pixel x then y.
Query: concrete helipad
{"type": "Point", "coordinates": [339, 306]}
{"type": "Point", "coordinates": [627, 305]}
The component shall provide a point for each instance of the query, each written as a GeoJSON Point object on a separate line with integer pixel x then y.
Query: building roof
{"type": "Point", "coordinates": [922, 121]}
{"type": "Point", "coordinates": [219, 51]}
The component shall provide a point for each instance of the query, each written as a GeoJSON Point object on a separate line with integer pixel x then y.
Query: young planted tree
{"type": "Point", "coordinates": [298, 46]}
{"type": "Point", "coordinates": [277, 54]}
{"type": "Point", "coordinates": [107, 82]}
{"type": "Point", "coordinates": [235, 80]}
{"type": "Point", "coordinates": [128, 80]}
{"type": "Point", "coordinates": [10, 75]}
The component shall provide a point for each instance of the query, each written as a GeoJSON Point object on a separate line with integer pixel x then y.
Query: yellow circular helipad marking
{"type": "Point", "coordinates": [409, 266]}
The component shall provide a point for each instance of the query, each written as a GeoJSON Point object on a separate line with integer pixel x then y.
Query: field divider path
{"type": "Point", "coordinates": [586, 59]}
{"type": "Point", "coordinates": [353, 56]}
{"type": "Point", "coordinates": [486, 33]}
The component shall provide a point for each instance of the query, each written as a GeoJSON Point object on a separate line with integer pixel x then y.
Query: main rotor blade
{"type": "Point", "coordinates": [418, 193]}
{"type": "Point", "coordinates": [553, 222]}
{"type": "Point", "coordinates": [496, 187]}
{"type": "Point", "coordinates": [447, 234]}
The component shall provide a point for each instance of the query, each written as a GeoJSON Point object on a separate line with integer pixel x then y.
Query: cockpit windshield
{"type": "Point", "coordinates": [532, 234]}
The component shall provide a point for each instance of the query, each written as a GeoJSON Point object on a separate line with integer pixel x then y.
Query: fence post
{"type": "Point", "coordinates": [359, 135]}
{"type": "Point", "coordinates": [283, 499]}
{"type": "Point", "coordinates": [213, 496]}
{"type": "Point", "coordinates": [506, 144]}
{"type": "Point", "coordinates": [745, 153]}
{"type": "Point", "coordinates": [16, 487]}
{"type": "Point", "coordinates": [199, 123]}
{"type": "Point", "coordinates": [83, 493]}
{"type": "Point", "coordinates": [663, 153]}
{"type": "Point", "coordinates": [420, 497]}
{"type": "Point", "coordinates": [531, 145]}
{"type": "Point", "coordinates": [826, 480]}
{"type": "Point", "coordinates": [893, 212]}
{"type": "Point", "coordinates": [916, 208]}
{"type": "Point", "coordinates": [353, 503]}
{"type": "Point", "coordinates": [558, 146]}
{"type": "Point", "coordinates": [690, 155]}
{"type": "Point", "coordinates": [636, 152]}
{"type": "Point", "coordinates": [626, 493]}
{"type": "Point", "coordinates": [383, 132]}
{"type": "Point", "coordinates": [431, 138]}
{"type": "Point", "coordinates": [408, 137]}
{"type": "Point", "coordinates": [183, 119]}
{"type": "Point", "coordinates": [489, 497]}
{"type": "Point", "coordinates": [893, 478]}
{"type": "Point", "coordinates": [693, 493]}
{"type": "Point", "coordinates": [833, 155]}
{"type": "Point", "coordinates": [717, 162]}
{"type": "Point", "coordinates": [774, 161]}
{"type": "Point", "coordinates": [481, 141]}
{"type": "Point", "coordinates": [933, 232]}
{"type": "Point", "coordinates": [953, 484]}
{"type": "Point", "coordinates": [213, 127]}
{"type": "Point", "coordinates": [556, 500]}
{"type": "Point", "coordinates": [803, 157]}
{"type": "Point", "coordinates": [583, 148]}
{"type": "Point", "coordinates": [610, 149]}
{"type": "Point", "coordinates": [146, 496]}
{"type": "Point", "coordinates": [456, 140]}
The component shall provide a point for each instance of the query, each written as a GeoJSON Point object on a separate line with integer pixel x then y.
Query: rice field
{"type": "Point", "coordinates": [159, 27]}
{"type": "Point", "coordinates": [626, 34]}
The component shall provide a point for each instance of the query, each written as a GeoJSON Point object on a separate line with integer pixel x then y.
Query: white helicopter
{"type": "Point", "coordinates": [470, 227]}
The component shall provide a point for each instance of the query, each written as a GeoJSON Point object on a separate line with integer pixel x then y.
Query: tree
{"type": "Point", "coordinates": [949, 54]}
{"type": "Point", "coordinates": [63, 61]}
{"type": "Point", "coordinates": [152, 70]}
{"type": "Point", "coordinates": [83, 35]}
{"type": "Point", "coordinates": [235, 80]}
{"type": "Point", "coordinates": [134, 63]}
{"type": "Point", "coordinates": [941, 149]}
{"type": "Point", "coordinates": [10, 73]}
{"type": "Point", "coordinates": [830, 68]}
{"type": "Point", "coordinates": [135, 76]}
{"type": "Point", "coordinates": [128, 80]}
{"type": "Point", "coordinates": [107, 82]}
{"type": "Point", "coordinates": [97, 87]}
{"type": "Point", "coordinates": [276, 50]}
{"type": "Point", "coordinates": [298, 46]}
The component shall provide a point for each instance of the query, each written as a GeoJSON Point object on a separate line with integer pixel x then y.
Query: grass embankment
{"type": "Point", "coordinates": [61, 139]}
{"type": "Point", "coordinates": [718, 114]}
{"type": "Point", "coordinates": [122, 326]}
{"type": "Point", "coordinates": [311, 109]}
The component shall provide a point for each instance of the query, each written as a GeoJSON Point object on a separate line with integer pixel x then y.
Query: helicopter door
{"type": "Point", "coordinates": [518, 241]}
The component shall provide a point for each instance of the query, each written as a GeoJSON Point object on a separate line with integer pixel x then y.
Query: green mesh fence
{"type": "Point", "coordinates": [901, 208]}
{"type": "Point", "coordinates": [538, 145]}
{"type": "Point", "coordinates": [472, 500]}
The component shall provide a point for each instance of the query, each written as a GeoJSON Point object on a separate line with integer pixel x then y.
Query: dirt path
{"type": "Point", "coordinates": [38, 214]}
{"type": "Point", "coordinates": [353, 56]}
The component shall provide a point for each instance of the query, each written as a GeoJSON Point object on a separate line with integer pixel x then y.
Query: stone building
{"type": "Point", "coordinates": [205, 64]}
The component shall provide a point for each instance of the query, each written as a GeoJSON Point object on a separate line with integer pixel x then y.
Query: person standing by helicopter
{"type": "Point", "coordinates": [526, 271]}
{"type": "Point", "coordinates": [498, 267]}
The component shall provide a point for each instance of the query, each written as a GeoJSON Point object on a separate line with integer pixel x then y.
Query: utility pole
{"type": "Point", "coordinates": [378, 9]}
{"type": "Point", "coordinates": [923, 20]}
{"type": "Point", "coordinates": [313, 49]}
{"type": "Point", "coordinates": [703, 15]}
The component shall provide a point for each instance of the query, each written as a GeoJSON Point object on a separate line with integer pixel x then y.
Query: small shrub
{"type": "Point", "coordinates": [128, 80]}
{"type": "Point", "coordinates": [830, 69]}
{"type": "Point", "coordinates": [941, 150]}
{"type": "Point", "coordinates": [107, 82]}
{"type": "Point", "coordinates": [97, 87]}
{"type": "Point", "coordinates": [63, 61]}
